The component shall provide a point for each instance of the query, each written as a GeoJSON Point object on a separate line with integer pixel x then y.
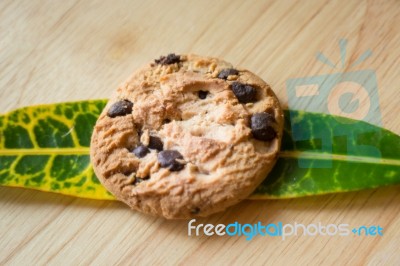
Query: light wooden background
{"type": "Point", "coordinates": [53, 51]}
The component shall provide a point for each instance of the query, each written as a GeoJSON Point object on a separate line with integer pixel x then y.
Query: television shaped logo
{"type": "Point", "coordinates": [346, 94]}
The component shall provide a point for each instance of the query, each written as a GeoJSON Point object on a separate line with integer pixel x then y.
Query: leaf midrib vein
{"type": "Point", "coordinates": [282, 154]}
{"type": "Point", "coordinates": [338, 157]}
{"type": "Point", "coordinates": [46, 151]}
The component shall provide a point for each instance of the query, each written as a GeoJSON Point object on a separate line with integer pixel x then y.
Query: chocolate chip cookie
{"type": "Point", "coordinates": [187, 136]}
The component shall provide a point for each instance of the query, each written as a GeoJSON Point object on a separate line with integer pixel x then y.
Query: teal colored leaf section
{"type": "Point", "coordinates": [327, 154]}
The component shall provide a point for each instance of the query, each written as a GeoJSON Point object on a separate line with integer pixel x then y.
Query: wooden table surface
{"type": "Point", "coordinates": [54, 51]}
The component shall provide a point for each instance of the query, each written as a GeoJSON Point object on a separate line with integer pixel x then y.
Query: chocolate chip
{"type": "Point", "coordinates": [203, 94]}
{"type": "Point", "coordinates": [167, 159]}
{"type": "Point", "coordinates": [166, 121]}
{"type": "Point", "coordinates": [138, 180]}
{"type": "Point", "coordinates": [155, 143]}
{"type": "Point", "coordinates": [244, 93]}
{"type": "Point", "coordinates": [227, 72]}
{"type": "Point", "coordinates": [195, 210]}
{"type": "Point", "coordinates": [128, 173]}
{"type": "Point", "coordinates": [141, 151]}
{"type": "Point", "coordinates": [169, 59]}
{"type": "Point", "coordinates": [262, 126]}
{"type": "Point", "coordinates": [120, 108]}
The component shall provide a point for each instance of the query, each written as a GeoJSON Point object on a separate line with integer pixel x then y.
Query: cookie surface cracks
{"type": "Point", "coordinates": [187, 143]}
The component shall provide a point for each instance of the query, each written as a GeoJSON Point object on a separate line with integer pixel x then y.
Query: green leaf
{"type": "Point", "coordinates": [47, 148]}
{"type": "Point", "coordinates": [326, 154]}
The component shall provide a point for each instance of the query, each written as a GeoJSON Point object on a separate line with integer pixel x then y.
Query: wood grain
{"type": "Point", "coordinates": [53, 51]}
